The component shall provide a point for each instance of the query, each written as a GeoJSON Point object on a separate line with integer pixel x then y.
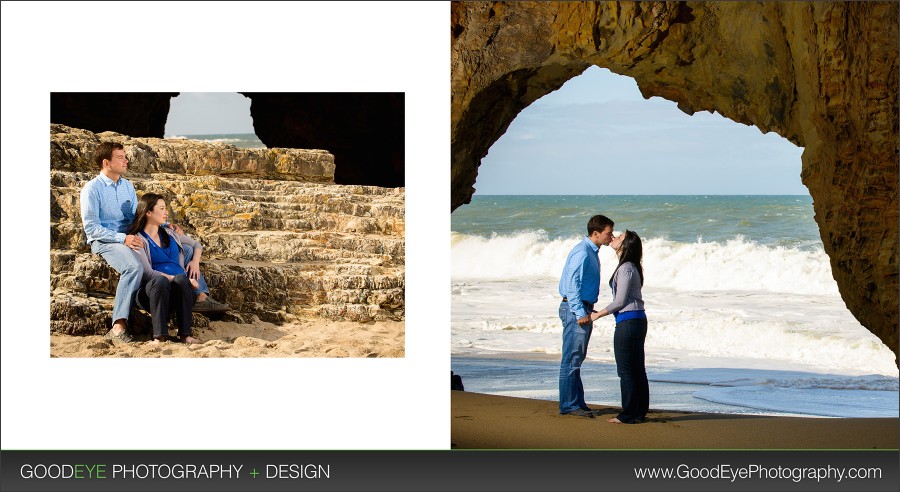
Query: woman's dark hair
{"type": "Point", "coordinates": [631, 251]}
{"type": "Point", "coordinates": [145, 205]}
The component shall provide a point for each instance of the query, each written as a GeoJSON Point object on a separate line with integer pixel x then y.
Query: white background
{"type": "Point", "coordinates": [226, 403]}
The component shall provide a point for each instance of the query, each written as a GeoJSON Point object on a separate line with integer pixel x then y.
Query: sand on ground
{"type": "Point", "coordinates": [305, 338]}
{"type": "Point", "coordinates": [500, 422]}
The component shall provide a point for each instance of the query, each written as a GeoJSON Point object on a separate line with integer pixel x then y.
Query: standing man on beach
{"type": "Point", "coordinates": [108, 205]}
{"type": "Point", "coordinates": [579, 287]}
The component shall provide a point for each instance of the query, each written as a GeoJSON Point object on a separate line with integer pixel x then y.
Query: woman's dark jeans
{"type": "Point", "coordinates": [628, 343]}
{"type": "Point", "coordinates": [160, 298]}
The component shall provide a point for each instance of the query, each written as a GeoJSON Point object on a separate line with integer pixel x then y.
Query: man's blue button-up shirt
{"type": "Point", "coordinates": [107, 209]}
{"type": "Point", "coordinates": [580, 279]}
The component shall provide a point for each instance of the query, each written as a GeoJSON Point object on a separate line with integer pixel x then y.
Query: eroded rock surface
{"type": "Point", "coordinates": [280, 239]}
{"type": "Point", "coordinates": [824, 75]}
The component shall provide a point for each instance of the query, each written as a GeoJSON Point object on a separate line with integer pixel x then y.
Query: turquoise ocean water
{"type": "Point", "coordinates": [744, 313]}
{"type": "Point", "coordinates": [768, 220]}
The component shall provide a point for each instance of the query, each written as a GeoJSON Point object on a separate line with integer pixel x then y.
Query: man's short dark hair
{"type": "Point", "coordinates": [598, 223]}
{"type": "Point", "coordinates": [104, 151]}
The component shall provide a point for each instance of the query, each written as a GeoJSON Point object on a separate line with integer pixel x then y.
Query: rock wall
{"type": "Point", "coordinates": [824, 75]}
{"type": "Point", "coordinates": [281, 240]}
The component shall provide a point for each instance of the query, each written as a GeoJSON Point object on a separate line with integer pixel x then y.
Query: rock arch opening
{"type": "Point", "coordinates": [822, 75]}
{"type": "Point", "coordinates": [212, 116]}
{"type": "Point", "coordinates": [597, 125]}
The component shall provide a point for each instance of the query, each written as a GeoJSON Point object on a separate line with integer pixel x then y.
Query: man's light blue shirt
{"type": "Point", "coordinates": [580, 279]}
{"type": "Point", "coordinates": [107, 209]}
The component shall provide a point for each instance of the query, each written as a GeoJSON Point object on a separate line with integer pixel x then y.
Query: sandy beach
{"type": "Point", "coordinates": [481, 421]}
{"type": "Point", "coordinates": [305, 338]}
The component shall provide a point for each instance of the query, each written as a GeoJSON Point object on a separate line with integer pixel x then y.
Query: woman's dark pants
{"type": "Point", "coordinates": [628, 343]}
{"type": "Point", "coordinates": [159, 297]}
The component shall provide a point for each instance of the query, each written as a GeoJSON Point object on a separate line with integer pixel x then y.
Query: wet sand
{"type": "Point", "coordinates": [500, 422]}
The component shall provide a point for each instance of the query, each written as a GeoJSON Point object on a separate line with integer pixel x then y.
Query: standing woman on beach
{"type": "Point", "coordinates": [631, 328]}
{"type": "Point", "coordinates": [166, 286]}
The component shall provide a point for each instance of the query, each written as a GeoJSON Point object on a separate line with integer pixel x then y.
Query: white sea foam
{"type": "Point", "coordinates": [223, 140]}
{"type": "Point", "coordinates": [738, 264]}
{"type": "Point", "coordinates": [505, 257]}
{"type": "Point", "coordinates": [778, 330]}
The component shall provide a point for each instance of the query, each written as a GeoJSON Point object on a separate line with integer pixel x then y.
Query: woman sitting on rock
{"type": "Point", "coordinates": [165, 286]}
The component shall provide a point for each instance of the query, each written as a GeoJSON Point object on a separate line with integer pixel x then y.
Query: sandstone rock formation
{"type": "Point", "coordinates": [280, 239]}
{"type": "Point", "coordinates": [364, 131]}
{"type": "Point", "coordinates": [824, 75]}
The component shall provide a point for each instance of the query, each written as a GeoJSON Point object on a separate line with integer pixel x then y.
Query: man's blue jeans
{"type": "Point", "coordinates": [574, 350]}
{"type": "Point", "coordinates": [125, 261]}
{"type": "Point", "coordinates": [201, 282]}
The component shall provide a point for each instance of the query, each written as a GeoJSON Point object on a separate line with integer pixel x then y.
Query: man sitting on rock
{"type": "Point", "coordinates": [108, 204]}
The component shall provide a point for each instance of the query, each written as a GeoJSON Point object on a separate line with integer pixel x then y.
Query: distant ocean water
{"type": "Point", "coordinates": [242, 140]}
{"type": "Point", "coordinates": [744, 313]}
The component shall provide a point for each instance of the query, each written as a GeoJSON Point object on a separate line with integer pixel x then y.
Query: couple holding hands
{"type": "Point", "coordinates": [158, 265]}
{"type": "Point", "coordinates": [579, 287]}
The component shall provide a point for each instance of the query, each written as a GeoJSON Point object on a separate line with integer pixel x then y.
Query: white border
{"type": "Point", "coordinates": [232, 403]}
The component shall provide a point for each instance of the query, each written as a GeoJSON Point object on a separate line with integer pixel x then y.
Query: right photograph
{"type": "Point", "coordinates": [674, 225]}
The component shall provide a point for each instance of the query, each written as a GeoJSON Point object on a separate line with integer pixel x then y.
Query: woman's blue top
{"type": "Point", "coordinates": [165, 259]}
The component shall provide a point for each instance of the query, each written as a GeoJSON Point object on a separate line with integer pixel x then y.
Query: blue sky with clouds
{"type": "Point", "coordinates": [206, 113]}
{"type": "Point", "coordinates": [598, 136]}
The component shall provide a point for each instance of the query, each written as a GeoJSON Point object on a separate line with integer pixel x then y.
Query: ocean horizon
{"type": "Point", "coordinates": [241, 140]}
{"type": "Point", "coordinates": [744, 313]}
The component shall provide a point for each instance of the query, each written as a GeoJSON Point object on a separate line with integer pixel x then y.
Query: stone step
{"type": "Point", "coordinates": [75, 314]}
{"type": "Point", "coordinates": [307, 246]}
{"type": "Point", "coordinates": [283, 191]}
{"type": "Point", "coordinates": [72, 149]}
{"type": "Point", "coordinates": [204, 210]}
{"type": "Point", "coordinates": [275, 246]}
{"type": "Point", "coordinates": [280, 291]}
{"type": "Point", "coordinates": [87, 272]}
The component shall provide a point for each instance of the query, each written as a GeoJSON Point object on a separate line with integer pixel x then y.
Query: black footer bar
{"type": "Point", "coordinates": [463, 470]}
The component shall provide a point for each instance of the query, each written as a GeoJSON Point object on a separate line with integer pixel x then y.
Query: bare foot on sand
{"type": "Point", "coordinates": [189, 340]}
{"type": "Point", "coordinates": [614, 420]}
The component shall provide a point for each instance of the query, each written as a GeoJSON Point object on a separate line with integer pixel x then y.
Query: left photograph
{"type": "Point", "coordinates": [227, 225]}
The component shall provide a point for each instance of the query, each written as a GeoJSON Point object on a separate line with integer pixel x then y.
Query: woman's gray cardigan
{"type": "Point", "coordinates": [627, 288]}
